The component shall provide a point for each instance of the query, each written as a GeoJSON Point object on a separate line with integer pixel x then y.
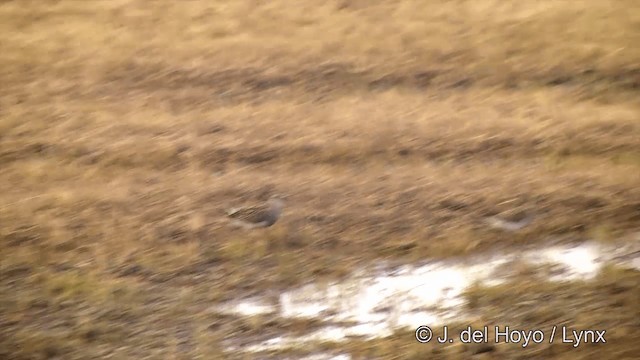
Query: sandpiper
{"type": "Point", "coordinates": [510, 223]}
{"type": "Point", "coordinates": [257, 216]}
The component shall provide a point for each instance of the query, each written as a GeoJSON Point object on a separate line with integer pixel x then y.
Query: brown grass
{"type": "Point", "coordinates": [394, 126]}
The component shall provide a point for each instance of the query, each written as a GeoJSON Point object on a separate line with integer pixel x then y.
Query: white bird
{"type": "Point", "coordinates": [257, 216]}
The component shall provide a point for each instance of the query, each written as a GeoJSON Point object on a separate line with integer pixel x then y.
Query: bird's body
{"type": "Point", "coordinates": [509, 224]}
{"type": "Point", "coordinates": [258, 216]}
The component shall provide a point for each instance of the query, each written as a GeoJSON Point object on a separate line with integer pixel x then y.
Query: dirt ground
{"type": "Point", "coordinates": [127, 127]}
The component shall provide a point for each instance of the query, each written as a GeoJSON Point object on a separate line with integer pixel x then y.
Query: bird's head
{"type": "Point", "coordinates": [276, 202]}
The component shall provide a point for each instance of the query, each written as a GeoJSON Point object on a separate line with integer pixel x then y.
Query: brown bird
{"type": "Point", "coordinates": [510, 223]}
{"type": "Point", "coordinates": [258, 216]}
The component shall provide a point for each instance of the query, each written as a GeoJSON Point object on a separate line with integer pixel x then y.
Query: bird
{"type": "Point", "coordinates": [513, 223]}
{"type": "Point", "coordinates": [258, 216]}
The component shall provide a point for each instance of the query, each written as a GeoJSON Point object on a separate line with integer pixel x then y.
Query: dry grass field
{"type": "Point", "coordinates": [394, 127]}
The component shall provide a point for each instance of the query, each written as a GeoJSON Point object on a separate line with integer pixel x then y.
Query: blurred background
{"type": "Point", "coordinates": [461, 162]}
